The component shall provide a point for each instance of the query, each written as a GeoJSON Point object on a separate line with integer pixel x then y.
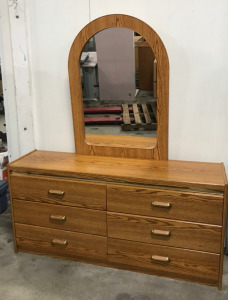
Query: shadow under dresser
{"type": "Point", "coordinates": [164, 218]}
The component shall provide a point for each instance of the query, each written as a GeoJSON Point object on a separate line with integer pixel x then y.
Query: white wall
{"type": "Point", "coordinates": [195, 34]}
{"type": "Point", "coordinates": [52, 27]}
{"type": "Point", "coordinates": [8, 82]}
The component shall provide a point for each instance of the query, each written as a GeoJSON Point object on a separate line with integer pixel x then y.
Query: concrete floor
{"type": "Point", "coordinates": [116, 130]}
{"type": "Point", "coordinates": [31, 277]}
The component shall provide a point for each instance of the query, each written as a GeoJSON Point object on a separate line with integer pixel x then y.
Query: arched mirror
{"type": "Point", "coordinates": [119, 79]}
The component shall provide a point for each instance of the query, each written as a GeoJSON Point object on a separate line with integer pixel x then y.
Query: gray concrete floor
{"type": "Point", "coordinates": [116, 130]}
{"type": "Point", "coordinates": [31, 277]}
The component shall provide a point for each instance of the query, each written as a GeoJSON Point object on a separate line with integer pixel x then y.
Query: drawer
{"type": "Point", "coordinates": [165, 232]}
{"type": "Point", "coordinates": [166, 261]}
{"type": "Point", "coordinates": [60, 217]}
{"type": "Point", "coordinates": [58, 191]}
{"type": "Point", "coordinates": [180, 205]}
{"type": "Point", "coordinates": [60, 243]}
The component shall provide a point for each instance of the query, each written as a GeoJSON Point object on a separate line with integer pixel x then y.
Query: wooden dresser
{"type": "Point", "coordinates": [164, 218]}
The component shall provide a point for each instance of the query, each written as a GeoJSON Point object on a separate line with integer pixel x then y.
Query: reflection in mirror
{"type": "Point", "coordinates": [119, 76]}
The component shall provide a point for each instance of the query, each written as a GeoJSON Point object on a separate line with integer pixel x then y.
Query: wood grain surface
{"type": "Point", "coordinates": [224, 227]}
{"type": "Point", "coordinates": [194, 265]}
{"type": "Point", "coordinates": [160, 151]}
{"type": "Point", "coordinates": [12, 212]}
{"type": "Point", "coordinates": [121, 140]}
{"type": "Point", "coordinates": [188, 206]}
{"type": "Point", "coordinates": [73, 189]}
{"type": "Point", "coordinates": [38, 240]}
{"type": "Point", "coordinates": [76, 219]}
{"type": "Point", "coordinates": [76, 193]}
{"type": "Point", "coordinates": [181, 174]}
{"type": "Point", "coordinates": [195, 236]}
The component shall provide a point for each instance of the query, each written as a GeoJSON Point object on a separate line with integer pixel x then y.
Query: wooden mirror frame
{"type": "Point", "coordinates": [120, 146]}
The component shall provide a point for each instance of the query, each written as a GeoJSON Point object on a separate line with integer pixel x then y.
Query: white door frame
{"type": "Point", "coordinates": [16, 78]}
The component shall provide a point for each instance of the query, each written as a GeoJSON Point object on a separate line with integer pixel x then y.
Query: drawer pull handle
{"type": "Point", "coordinates": [160, 232]}
{"type": "Point", "coordinates": [160, 259]}
{"type": "Point", "coordinates": [57, 218]}
{"type": "Point", "coordinates": [59, 242]}
{"type": "Point", "coordinates": [160, 204]}
{"type": "Point", "coordinates": [56, 192]}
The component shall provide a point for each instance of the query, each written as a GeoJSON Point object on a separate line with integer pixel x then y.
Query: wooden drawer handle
{"type": "Point", "coordinates": [160, 204]}
{"type": "Point", "coordinates": [160, 232]}
{"type": "Point", "coordinates": [57, 218]}
{"type": "Point", "coordinates": [56, 192]}
{"type": "Point", "coordinates": [59, 242]}
{"type": "Point", "coordinates": [160, 259]}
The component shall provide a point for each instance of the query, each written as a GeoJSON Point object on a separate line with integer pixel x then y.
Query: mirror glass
{"type": "Point", "coordinates": [119, 84]}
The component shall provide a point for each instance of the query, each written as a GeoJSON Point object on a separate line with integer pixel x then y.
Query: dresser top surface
{"type": "Point", "coordinates": [150, 172]}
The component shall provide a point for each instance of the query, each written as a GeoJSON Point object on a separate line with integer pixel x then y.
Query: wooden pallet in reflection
{"type": "Point", "coordinates": [144, 116]}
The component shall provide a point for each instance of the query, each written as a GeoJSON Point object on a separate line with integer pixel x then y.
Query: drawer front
{"type": "Point", "coordinates": [165, 232]}
{"type": "Point", "coordinates": [60, 217]}
{"type": "Point", "coordinates": [195, 207]}
{"type": "Point", "coordinates": [58, 191]}
{"type": "Point", "coordinates": [167, 261]}
{"type": "Point", "coordinates": [60, 243]}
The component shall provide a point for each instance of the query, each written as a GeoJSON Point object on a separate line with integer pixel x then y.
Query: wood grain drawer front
{"type": "Point", "coordinates": [60, 243]}
{"type": "Point", "coordinates": [58, 191]}
{"type": "Point", "coordinates": [60, 217]}
{"type": "Point", "coordinates": [195, 207]}
{"type": "Point", "coordinates": [165, 232]}
{"type": "Point", "coordinates": [167, 261]}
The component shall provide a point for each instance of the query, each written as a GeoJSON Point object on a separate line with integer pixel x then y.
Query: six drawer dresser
{"type": "Point", "coordinates": [164, 218]}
